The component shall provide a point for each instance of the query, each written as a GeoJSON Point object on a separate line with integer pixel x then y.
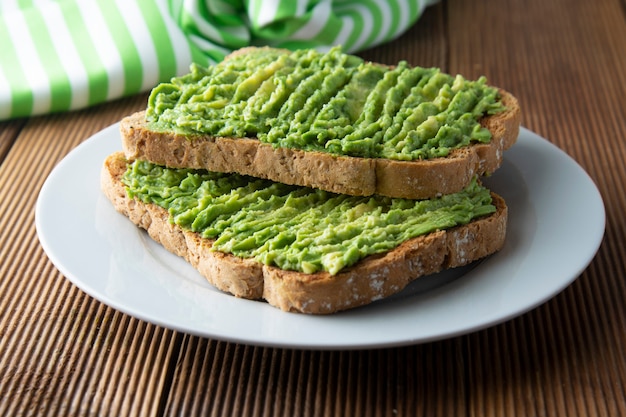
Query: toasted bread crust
{"type": "Point", "coordinates": [339, 174]}
{"type": "Point", "coordinates": [373, 278]}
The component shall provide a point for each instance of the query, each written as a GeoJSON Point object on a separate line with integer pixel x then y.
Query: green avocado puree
{"type": "Point", "coordinates": [331, 102]}
{"type": "Point", "coordinates": [296, 228]}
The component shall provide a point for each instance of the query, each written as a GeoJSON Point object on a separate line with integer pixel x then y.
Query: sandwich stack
{"type": "Point", "coordinates": [317, 182]}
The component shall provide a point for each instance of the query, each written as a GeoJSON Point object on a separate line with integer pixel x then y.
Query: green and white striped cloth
{"type": "Point", "coordinates": [58, 55]}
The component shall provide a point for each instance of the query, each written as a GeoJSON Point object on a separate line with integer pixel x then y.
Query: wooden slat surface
{"type": "Point", "coordinates": [64, 353]}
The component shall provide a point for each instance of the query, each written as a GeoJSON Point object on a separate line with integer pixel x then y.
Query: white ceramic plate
{"type": "Point", "coordinates": [556, 224]}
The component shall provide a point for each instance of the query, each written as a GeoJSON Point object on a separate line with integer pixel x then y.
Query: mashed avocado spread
{"type": "Point", "coordinates": [332, 102]}
{"type": "Point", "coordinates": [296, 228]}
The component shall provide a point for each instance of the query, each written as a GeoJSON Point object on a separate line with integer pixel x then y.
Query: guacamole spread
{"type": "Point", "coordinates": [331, 102]}
{"type": "Point", "coordinates": [296, 228]}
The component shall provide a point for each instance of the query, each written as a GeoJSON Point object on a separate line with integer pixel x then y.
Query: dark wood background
{"type": "Point", "coordinates": [63, 353]}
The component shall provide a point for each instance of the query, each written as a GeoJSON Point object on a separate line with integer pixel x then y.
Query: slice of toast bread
{"type": "Point", "coordinates": [339, 174]}
{"type": "Point", "coordinates": [375, 277]}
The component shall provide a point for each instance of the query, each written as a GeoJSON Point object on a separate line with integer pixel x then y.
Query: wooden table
{"type": "Point", "coordinates": [64, 353]}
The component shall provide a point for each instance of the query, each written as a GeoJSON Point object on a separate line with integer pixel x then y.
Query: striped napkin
{"type": "Point", "coordinates": [59, 55]}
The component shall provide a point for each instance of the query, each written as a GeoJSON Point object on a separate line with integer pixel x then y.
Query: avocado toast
{"type": "Point", "coordinates": [329, 121]}
{"type": "Point", "coordinates": [318, 198]}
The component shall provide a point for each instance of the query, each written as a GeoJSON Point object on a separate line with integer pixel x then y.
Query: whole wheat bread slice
{"type": "Point", "coordinates": [338, 174]}
{"type": "Point", "coordinates": [373, 278]}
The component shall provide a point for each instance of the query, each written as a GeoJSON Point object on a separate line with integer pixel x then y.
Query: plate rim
{"type": "Point", "coordinates": [108, 133]}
